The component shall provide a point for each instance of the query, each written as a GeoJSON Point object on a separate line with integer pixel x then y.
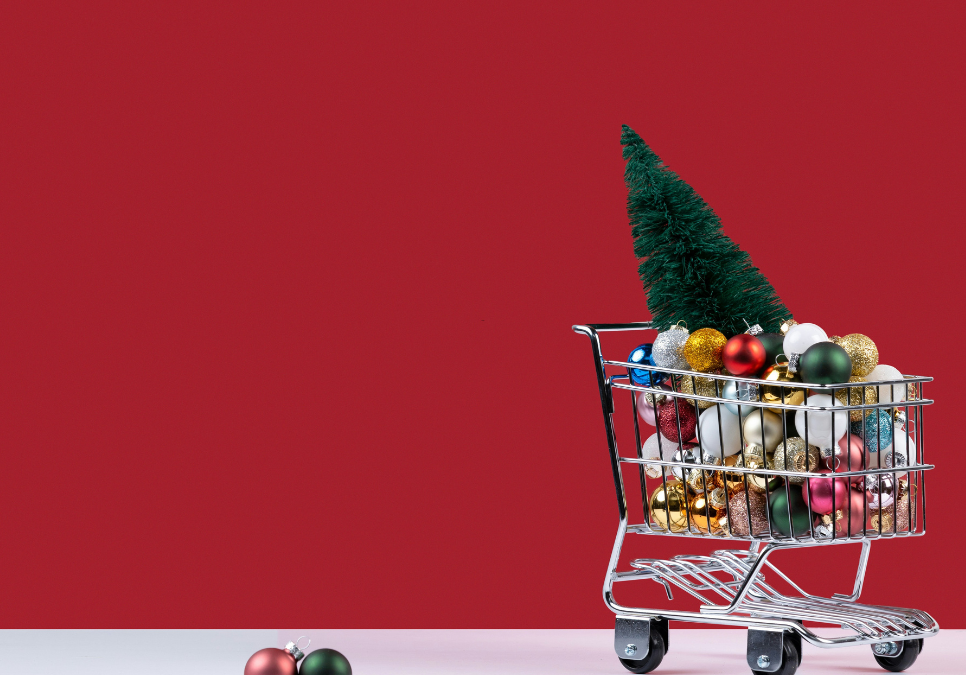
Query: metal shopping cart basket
{"type": "Point", "coordinates": [730, 583]}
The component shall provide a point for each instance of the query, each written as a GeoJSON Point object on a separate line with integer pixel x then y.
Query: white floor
{"type": "Point", "coordinates": [426, 652]}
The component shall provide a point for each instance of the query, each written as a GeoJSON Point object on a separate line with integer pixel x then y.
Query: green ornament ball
{"type": "Point", "coordinates": [800, 515]}
{"type": "Point", "coordinates": [773, 346]}
{"type": "Point", "coordinates": [825, 363]}
{"type": "Point", "coordinates": [325, 662]}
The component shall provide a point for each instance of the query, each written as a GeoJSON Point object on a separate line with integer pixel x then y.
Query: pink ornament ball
{"type": "Point", "coordinates": [823, 491]}
{"type": "Point", "coordinates": [846, 449]}
{"type": "Point", "coordinates": [855, 515]}
{"type": "Point", "coordinates": [647, 410]}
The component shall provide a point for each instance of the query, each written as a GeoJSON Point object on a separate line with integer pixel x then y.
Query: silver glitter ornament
{"type": "Point", "coordinates": [668, 348]}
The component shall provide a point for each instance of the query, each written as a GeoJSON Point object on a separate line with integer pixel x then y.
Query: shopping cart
{"type": "Point", "coordinates": [730, 584]}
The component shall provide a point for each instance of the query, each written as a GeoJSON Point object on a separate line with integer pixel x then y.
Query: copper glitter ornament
{"type": "Point", "coordinates": [791, 455]}
{"type": "Point", "coordinates": [742, 521]}
{"type": "Point", "coordinates": [669, 507]}
{"type": "Point", "coordinates": [854, 396]}
{"type": "Point", "coordinates": [703, 349]}
{"type": "Point", "coordinates": [862, 351]}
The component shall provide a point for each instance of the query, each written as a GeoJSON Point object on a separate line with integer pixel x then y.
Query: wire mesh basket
{"type": "Point", "coordinates": [779, 464]}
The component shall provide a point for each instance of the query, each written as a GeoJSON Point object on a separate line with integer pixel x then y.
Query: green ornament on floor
{"type": "Point", "coordinates": [800, 515]}
{"type": "Point", "coordinates": [325, 662]}
{"type": "Point", "coordinates": [825, 363]}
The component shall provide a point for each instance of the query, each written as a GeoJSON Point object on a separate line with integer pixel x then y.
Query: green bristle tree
{"type": "Point", "coordinates": [691, 271]}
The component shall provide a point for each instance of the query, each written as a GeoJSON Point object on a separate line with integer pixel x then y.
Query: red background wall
{"type": "Point", "coordinates": [287, 290]}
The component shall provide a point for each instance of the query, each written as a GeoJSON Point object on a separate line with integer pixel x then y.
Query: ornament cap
{"type": "Point", "coordinates": [793, 362]}
{"type": "Point", "coordinates": [787, 326]}
{"type": "Point", "coordinates": [755, 329]}
{"type": "Point", "coordinates": [294, 649]}
{"type": "Point", "coordinates": [678, 326]}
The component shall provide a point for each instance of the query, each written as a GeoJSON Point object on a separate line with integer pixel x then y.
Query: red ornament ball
{"type": "Point", "coordinates": [667, 421]}
{"type": "Point", "coordinates": [271, 661]}
{"type": "Point", "coordinates": [744, 355]}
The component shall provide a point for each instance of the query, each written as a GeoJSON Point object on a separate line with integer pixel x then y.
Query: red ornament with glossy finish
{"type": "Point", "coordinates": [271, 661]}
{"type": "Point", "coordinates": [744, 355]}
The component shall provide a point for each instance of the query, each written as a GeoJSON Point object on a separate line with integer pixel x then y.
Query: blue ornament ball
{"type": "Point", "coordinates": [875, 421]}
{"type": "Point", "coordinates": [645, 378]}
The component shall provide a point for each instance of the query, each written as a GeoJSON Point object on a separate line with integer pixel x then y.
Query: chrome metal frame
{"type": "Point", "coordinates": [730, 583]}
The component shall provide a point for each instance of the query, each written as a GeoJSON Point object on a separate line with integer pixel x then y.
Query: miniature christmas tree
{"type": "Point", "coordinates": [691, 271]}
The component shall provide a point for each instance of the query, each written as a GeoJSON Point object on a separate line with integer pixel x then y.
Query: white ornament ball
{"type": "Point", "coordinates": [884, 372]}
{"type": "Point", "coordinates": [658, 447]}
{"type": "Point", "coordinates": [800, 337]}
{"type": "Point", "coordinates": [903, 444]}
{"type": "Point", "coordinates": [668, 348]}
{"type": "Point", "coordinates": [820, 423]}
{"type": "Point", "coordinates": [712, 433]}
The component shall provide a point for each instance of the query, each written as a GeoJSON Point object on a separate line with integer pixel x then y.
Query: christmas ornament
{"type": "Point", "coordinates": [668, 348]}
{"type": "Point", "coordinates": [787, 326]}
{"type": "Point", "coordinates": [825, 363]}
{"type": "Point", "coordinates": [718, 497]}
{"type": "Point", "coordinates": [823, 525]}
{"type": "Point", "coordinates": [823, 428]}
{"type": "Point", "coordinates": [756, 481]}
{"type": "Point", "coordinates": [857, 396]}
{"type": "Point", "coordinates": [272, 661]}
{"type": "Point", "coordinates": [685, 456]}
{"type": "Point", "coordinates": [903, 444]}
{"type": "Point", "coordinates": [848, 455]}
{"type": "Point", "coordinates": [645, 378]}
{"type": "Point", "coordinates": [744, 355]}
{"type": "Point", "coordinates": [877, 430]}
{"type": "Point", "coordinates": [719, 432]}
{"type": "Point", "coordinates": [676, 421]}
{"type": "Point", "coordinates": [862, 352]}
{"type": "Point", "coordinates": [735, 480]}
{"type": "Point", "coordinates": [702, 386]}
{"type": "Point", "coordinates": [888, 393]}
{"type": "Point", "coordinates": [799, 338]}
{"type": "Point", "coordinates": [651, 449]}
{"type": "Point", "coordinates": [669, 508]}
{"type": "Point", "coordinates": [325, 662]}
{"type": "Point", "coordinates": [880, 490]}
{"type": "Point", "coordinates": [789, 513]}
{"type": "Point", "coordinates": [792, 455]}
{"type": "Point", "coordinates": [696, 477]}
{"type": "Point", "coordinates": [763, 428]}
{"type": "Point", "coordinates": [689, 268]}
{"type": "Point", "coordinates": [897, 517]}
{"type": "Point", "coordinates": [777, 394]}
{"type": "Point", "coordinates": [773, 344]}
{"type": "Point", "coordinates": [703, 349]}
{"type": "Point", "coordinates": [703, 518]}
{"type": "Point", "coordinates": [748, 513]}
{"type": "Point", "coordinates": [739, 391]}
{"type": "Point", "coordinates": [825, 495]}
{"type": "Point", "coordinates": [647, 404]}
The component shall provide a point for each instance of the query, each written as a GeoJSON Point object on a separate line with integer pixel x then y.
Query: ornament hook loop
{"type": "Point", "coordinates": [307, 639]}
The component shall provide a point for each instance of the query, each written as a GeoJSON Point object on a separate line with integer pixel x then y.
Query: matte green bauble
{"type": "Point", "coordinates": [325, 662]}
{"type": "Point", "coordinates": [773, 346]}
{"type": "Point", "coordinates": [800, 515]}
{"type": "Point", "coordinates": [825, 363]}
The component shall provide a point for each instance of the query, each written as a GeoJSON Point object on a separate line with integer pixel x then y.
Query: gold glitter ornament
{"type": "Point", "coordinates": [853, 396]}
{"type": "Point", "coordinates": [695, 477]}
{"type": "Point", "coordinates": [702, 516]}
{"type": "Point", "coordinates": [702, 386]}
{"type": "Point", "coordinates": [773, 393]}
{"type": "Point", "coordinates": [703, 349]}
{"type": "Point", "coordinates": [791, 455]}
{"type": "Point", "coordinates": [669, 507]}
{"type": "Point", "coordinates": [862, 351]}
{"type": "Point", "coordinates": [743, 522]}
{"type": "Point", "coordinates": [763, 428]}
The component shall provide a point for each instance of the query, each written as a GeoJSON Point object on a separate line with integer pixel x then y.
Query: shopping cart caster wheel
{"type": "Point", "coordinates": [791, 659]}
{"type": "Point", "coordinates": [654, 656]}
{"type": "Point", "coordinates": [902, 660]}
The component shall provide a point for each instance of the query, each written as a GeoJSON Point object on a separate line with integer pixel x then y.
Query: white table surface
{"type": "Point", "coordinates": [426, 652]}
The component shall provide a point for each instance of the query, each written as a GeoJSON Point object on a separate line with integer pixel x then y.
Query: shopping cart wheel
{"type": "Point", "coordinates": [791, 658]}
{"type": "Point", "coordinates": [902, 660]}
{"type": "Point", "coordinates": [654, 656]}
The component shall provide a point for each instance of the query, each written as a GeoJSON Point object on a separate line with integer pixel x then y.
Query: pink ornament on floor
{"type": "Point", "coordinates": [645, 409]}
{"type": "Point", "coordinates": [855, 513]}
{"type": "Point", "coordinates": [822, 491]}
